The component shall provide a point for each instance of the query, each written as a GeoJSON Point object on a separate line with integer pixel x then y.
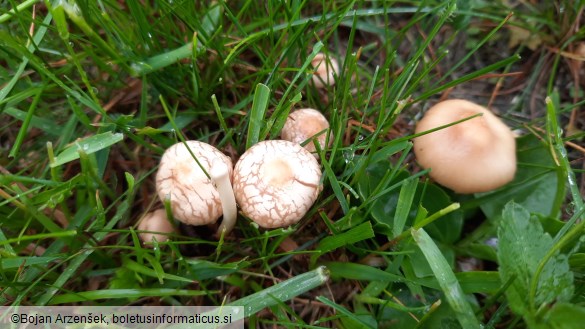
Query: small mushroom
{"type": "Point", "coordinates": [194, 198]}
{"type": "Point", "coordinates": [304, 124]}
{"type": "Point", "coordinates": [326, 68]}
{"type": "Point", "coordinates": [276, 182]}
{"type": "Point", "coordinates": [477, 155]}
{"type": "Point", "coordinates": [155, 221]}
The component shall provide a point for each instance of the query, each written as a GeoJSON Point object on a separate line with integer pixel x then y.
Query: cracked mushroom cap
{"type": "Point", "coordinates": [477, 155]}
{"type": "Point", "coordinates": [193, 197]}
{"type": "Point", "coordinates": [155, 221]}
{"type": "Point", "coordinates": [276, 182]}
{"type": "Point", "coordinates": [304, 124]}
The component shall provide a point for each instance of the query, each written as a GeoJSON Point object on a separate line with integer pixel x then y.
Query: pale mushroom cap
{"type": "Point", "coordinates": [276, 182]}
{"type": "Point", "coordinates": [477, 155]}
{"type": "Point", "coordinates": [155, 221]}
{"type": "Point", "coordinates": [193, 197]}
{"type": "Point", "coordinates": [303, 124]}
{"type": "Point", "coordinates": [325, 68]}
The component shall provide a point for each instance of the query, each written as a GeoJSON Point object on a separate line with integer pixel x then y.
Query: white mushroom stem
{"type": "Point", "coordinates": [220, 177]}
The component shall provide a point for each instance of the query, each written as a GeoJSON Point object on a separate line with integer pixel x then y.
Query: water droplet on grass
{"type": "Point", "coordinates": [348, 156]}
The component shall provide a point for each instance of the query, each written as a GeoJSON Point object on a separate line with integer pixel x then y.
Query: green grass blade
{"type": "Point", "coordinates": [447, 280]}
{"type": "Point", "coordinates": [25, 124]}
{"type": "Point", "coordinates": [278, 118]}
{"type": "Point", "coordinates": [84, 296]}
{"type": "Point", "coordinates": [52, 235]}
{"type": "Point", "coordinates": [45, 125]}
{"type": "Point", "coordinates": [482, 282]}
{"type": "Point", "coordinates": [330, 174]}
{"type": "Point", "coordinates": [405, 199]}
{"type": "Point", "coordinates": [70, 269]}
{"type": "Point", "coordinates": [257, 113]}
{"type": "Point", "coordinates": [22, 6]}
{"type": "Point", "coordinates": [283, 291]}
{"type": "Point", "coordinates": [157, 272]}
{"type": "Point", "coordinates": [361, 272]}
{"type": "Point", "coordinates": [470, 76]}
{"type": "Point", "coordinates": [359, 233]}
{"type": "Point", "coordinates": [343, 311]}
{"type": "Point", "coordinates": [31, 48]}
{"type": "Point", "coordinates": [11, 263]}
{"type": "Point", "coordinates": [89, 145]}
{"type": "Point", "coordinates": [476, 47]}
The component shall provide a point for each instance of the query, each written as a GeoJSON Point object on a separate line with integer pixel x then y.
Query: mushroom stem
{"type": "Point", "coordinates": [219, 174]}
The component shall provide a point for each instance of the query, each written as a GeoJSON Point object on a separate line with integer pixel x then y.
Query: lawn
{"type": "Point", "coordinates": [92, 93]}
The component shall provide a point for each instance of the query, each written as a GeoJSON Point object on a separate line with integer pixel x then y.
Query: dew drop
{"type": "Point", "coordinates": [348, 156]}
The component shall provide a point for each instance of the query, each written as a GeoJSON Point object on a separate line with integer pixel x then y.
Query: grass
{"type": "Point", "coordinates": [92, 93]}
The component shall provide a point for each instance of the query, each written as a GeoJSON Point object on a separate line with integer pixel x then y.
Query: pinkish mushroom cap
{"type": "Point", "coordinates": [194, 198]}
{"type": "Point", "coordinates": [276, 182]}
{"type": "Point", "coordinates": [155, 221]}
{"type": "Point", "coordinates": [304, 124]}
{"type": "Point", "coordinates": [477, 155]}
{"type": "Point", "coordinates": [326, 69]}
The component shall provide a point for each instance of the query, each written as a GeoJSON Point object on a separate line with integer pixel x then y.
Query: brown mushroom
{"type": "Point", "coordinates": [477, 155]}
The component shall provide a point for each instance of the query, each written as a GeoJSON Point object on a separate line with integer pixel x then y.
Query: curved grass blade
{"type": "Point", "coordinates": [89, 145]}
{"type": "Point", "coordinates": [282, 291]}
{"type": "Point", "coordinates": [122, 293]}
{"type": "Point", "coordinates": [446, 278]}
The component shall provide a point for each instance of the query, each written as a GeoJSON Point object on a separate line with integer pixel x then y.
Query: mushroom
{"type": "Point", "coordinates": [196, 198]}
{"type": "Point", "coordinates": [276, 182]}
{"type": "Point", "coordinates": [155, 221]}
{"type": "Point", "coordinates": [477, 155]}
{"type": "Point", "coordinates": [304, 124]}
{"type": "Point", "coordinates": [326, 68]}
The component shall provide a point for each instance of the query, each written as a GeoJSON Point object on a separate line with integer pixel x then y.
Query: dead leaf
{"type": "Point", "coordinates": [522, 36]}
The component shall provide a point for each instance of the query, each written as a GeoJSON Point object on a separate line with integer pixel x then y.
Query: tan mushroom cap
{"type": "Point", "coordinates": [194, 199]}
{"type": "Point", "coordinates": [155, 221]}
{"type": "Point", "coordinates": [276, 182]}
{"type": "Point", "coordinates": [477, 155]}
{"type": "Point", "coordinates": [326, 68]}
{"type": "Point", "coordinates": [304, 124]}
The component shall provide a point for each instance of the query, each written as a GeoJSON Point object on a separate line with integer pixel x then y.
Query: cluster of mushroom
{"type": "Point", "coordinates": [274, 182]}
{"type": "Point", "coordinates": [477, 155]}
